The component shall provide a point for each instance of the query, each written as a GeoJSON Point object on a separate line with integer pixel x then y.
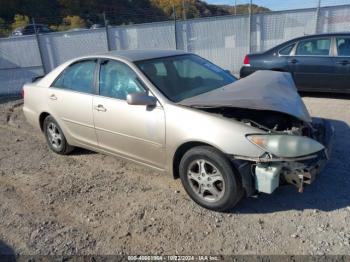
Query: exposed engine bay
{"type": "Point", "coordinates": [269, 121]}
{"type": "Point", "coordinates": [269, 172]}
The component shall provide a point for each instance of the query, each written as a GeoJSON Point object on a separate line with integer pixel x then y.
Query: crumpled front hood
{"type": "Point", "coordinates": [262, 90]}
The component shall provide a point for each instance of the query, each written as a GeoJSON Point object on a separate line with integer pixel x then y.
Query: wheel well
{"type": "Point", "coordinates": [180, 153]}
{"type": "Point", "coordinates": [278, 70]}
{"type": "Point", "coordinates": [244, 181]}
{"type": "Point", "coordinates": [42, 117]}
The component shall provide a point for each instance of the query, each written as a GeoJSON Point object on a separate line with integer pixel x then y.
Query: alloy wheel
{"type": "Point", "coordinates": [54, 135]}
{"type": "Point", "coordinates": [206, 180]}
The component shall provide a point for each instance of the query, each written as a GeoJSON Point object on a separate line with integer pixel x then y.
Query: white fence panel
{"type": "Point", "coordinates": [223, 40]}
{"type": "Point", "coordinates": [334, 19]}
{"type": "Point", "coordinates": [271, 29]}
{"type": "Point", "coordinates": [12, 80]}
{"type": "Point", "coordinates": [144, 36]}
{"type": "Point", "coordinates": [19, 52]}
{"type": "Point", "coordinates": [61, 47]}
{"type": "Point", "coordinates": [19, 63]}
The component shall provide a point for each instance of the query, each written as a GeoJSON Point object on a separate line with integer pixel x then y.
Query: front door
{"type": "Point", "coordinates": [312, 66]}
{"type": "Point", "coordinates": [70, 102]}
{"type": "Point", "coordinates": [132, 131]}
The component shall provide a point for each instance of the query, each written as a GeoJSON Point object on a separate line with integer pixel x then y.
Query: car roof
{"type": "Point", "coordinates": [138, 55]}
{"type": "Point", "coordinates": [293, 40]}
{"type": "Point", "coordinates": [315, 36]}
{"type": "Point", "coordinates": [324, 35]}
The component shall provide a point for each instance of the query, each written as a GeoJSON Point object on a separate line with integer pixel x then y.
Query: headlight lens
{"type": "Point", "coordinates": [286, 145]}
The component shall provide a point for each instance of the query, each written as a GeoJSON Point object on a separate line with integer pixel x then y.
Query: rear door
{"type": "Point", "coordinates": [312, 65]}
{"type": "Point", "coordinates": [132, 131]}
{"type": "Point", "coordinates": [342, 64]}
{"type": "Point", "coordinates": [70, 101]}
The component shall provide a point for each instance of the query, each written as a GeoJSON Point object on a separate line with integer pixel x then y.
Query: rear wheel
{"type": "Point", "coordinates": [55, 137]}
{"type": "Point", "coordinates": [209, 179]}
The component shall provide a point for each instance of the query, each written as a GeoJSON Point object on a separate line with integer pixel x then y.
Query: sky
{"type": "Point", "coordinates": [282, 4]}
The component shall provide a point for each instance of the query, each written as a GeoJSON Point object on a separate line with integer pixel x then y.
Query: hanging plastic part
{"type": "Point", "coordinates": [267, 177]}
{"type": "Point", "coordinates": [301, 185]}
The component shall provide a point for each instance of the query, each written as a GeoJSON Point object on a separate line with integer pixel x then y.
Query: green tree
{"type": "Point", "coordinates": [20, 20]}
{"type": "Point", "coordinates": [4, 30]}
{"type": "Point", "coordinates": [50, 12]}
{"type": "Point", "coordinates": [198, 8]}
{"type": "Point", "coordinates": [9, 8]}
{"type": "Point", "coordinates": [71, 22]}
{"type": "Point", "coordinates": [167, 6]}
{"type": "Point", "coordinates": [244, 9]}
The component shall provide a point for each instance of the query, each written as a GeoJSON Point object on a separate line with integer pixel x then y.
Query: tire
{"type": "Point", "coordinates": [55, 137]}
{"type": "Point", "coordinates": [217, 187]}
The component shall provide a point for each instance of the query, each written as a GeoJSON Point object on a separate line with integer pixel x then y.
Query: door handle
{"type": "Point", "coordinates": [293, 61]}
{"type": "Point", "coordinates": [100, 108]}
{"type": "Point", "coordinates": [343, 62]}
{"type": "Point", "coordinates": [53, 97]}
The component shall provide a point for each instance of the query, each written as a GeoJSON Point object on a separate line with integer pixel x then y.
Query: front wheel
{"type": "Point", "coordinates": [209, 179]}
{"type": "Point", "coordinates": [55, 137]}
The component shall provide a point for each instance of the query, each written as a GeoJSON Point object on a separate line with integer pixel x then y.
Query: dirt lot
{"type": "Point", "coordinates": [89, 203]}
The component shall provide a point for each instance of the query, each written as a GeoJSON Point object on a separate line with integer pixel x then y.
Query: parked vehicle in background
{"type": "Point", "coordinates": [181, 114]}
{"type": "Point", "coordinates": [30, 30]}
{"type": "Point", "coordinates": [318, 63]}
{"type": "Point", "coordinates": [96, 26]}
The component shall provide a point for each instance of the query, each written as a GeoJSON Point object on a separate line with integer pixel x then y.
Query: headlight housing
{"type": "Point", "coordinates": [286, 145]}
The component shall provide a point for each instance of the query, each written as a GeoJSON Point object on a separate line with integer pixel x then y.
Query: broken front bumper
{"type": "Point", "coordinates": [297, 170]}
{"type": "Point", "coordinates": [305, 172]}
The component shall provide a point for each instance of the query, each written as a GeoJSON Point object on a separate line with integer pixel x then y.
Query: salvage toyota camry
{"type": "Point", "coordinates": [179, 113]}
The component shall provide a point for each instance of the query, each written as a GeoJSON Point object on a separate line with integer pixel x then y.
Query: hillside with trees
{"type": "Point", "coordinates": [68, 14]}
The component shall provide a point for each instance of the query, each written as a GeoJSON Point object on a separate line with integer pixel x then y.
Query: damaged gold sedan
{"type": "Point", "coordinates": [179, 113]}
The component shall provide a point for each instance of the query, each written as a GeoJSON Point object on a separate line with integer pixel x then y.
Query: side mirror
{"type": "Point", "coordinates": [228, 71]}
{"type": "Point", "coordinates": [141, 99]}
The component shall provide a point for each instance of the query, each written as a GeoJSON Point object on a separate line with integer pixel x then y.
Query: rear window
{"type": "Point", "coordinates": [77, 77]}
{"type": "Point", "coordinates": [286, 50]}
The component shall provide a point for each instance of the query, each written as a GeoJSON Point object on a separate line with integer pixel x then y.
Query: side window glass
{"type": "Point", "coordinates": [314, 47]}
{"type": "Point", "coordinates": [44, 29]}
{"type": "Point", "coordinates": [117, 80]}
{"type": "Point", "coordinates": [77, 77]}
{"type": "Point", "coordinates": [343, 46]}
{"type": "Point", "coordinates": [286, 50]}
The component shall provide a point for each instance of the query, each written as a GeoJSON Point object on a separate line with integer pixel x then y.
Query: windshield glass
{"type": "Point", "coordinates": [184, 76]}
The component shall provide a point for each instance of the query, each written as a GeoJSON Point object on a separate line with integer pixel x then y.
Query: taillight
{"type": "Point", "coordinates": [246, 60]}
{"type": "Point", "coordinates": [22, 93]}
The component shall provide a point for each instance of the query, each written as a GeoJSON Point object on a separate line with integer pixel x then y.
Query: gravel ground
{"type": "Point", "coordinates": [89, 203]}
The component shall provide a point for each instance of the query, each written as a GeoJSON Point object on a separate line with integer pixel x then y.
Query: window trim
{"type": "Point", "coordinates": [330, 52]}
{"type": "Point", "coordinates": [73, 63]}
{"type": "Point", "coordinates": [97, 80]}
{"type": "Point", "coordinates": [291, 51]}
{"type": "Point", "coordinates": [336, 46]}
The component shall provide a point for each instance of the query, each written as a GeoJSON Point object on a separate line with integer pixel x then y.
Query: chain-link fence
{"type": "Point", "coordinates": [225, 40]}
